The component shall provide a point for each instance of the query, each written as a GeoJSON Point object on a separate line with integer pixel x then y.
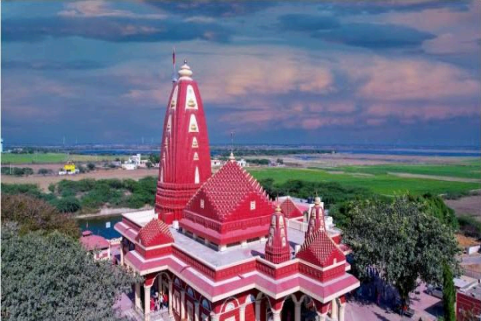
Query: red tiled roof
{"type": "Point", "coordinates": [319, 248]}
{"type": "Point", "coordinates": [94, 242]}
{"type": "Point", "coordinates": [290, 209]}
{"type": "Point", "coordinates": [154, 233]}
{"type": "Point", "coordinates": [227, 188]}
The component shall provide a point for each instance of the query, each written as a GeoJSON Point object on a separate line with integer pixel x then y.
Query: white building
{"type": "Point", "coordinates": [242, 163]}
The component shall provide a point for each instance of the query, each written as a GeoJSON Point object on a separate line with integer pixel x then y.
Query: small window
{"type": "Point", "coordinates": [253, 205]}
{"type": "Point", "coordinates": [202, 203]}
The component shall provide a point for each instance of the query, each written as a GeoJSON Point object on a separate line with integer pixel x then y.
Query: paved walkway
{"type": "Point", "coordinates": [426, 307]}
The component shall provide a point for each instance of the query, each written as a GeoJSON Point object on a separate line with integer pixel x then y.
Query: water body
{"type": "Point", "coordinates": [99, 225]}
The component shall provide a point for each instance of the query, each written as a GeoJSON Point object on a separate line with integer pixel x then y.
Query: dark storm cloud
{"type": "Point", "coordinates": [113, 30]}
{"type": "Point", "coordinates": [306, 22]}
{"type": "Point", "coordinates": [376, 36]}
{"type": "Point", "coordinates": [211, 8]}
{"type": "Point", "coordinates": [365, 35]}
{"type": "Point", "coordinates": [52, 65]}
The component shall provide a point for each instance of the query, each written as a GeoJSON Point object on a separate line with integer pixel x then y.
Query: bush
{"type": "Point", "coordinates": [33, 214]}
{"type": "Point", "coordinates": [44, 171]}
{"type": "Point", "coordinates": [469, 226]}
{"type": "Point", "coordinates": [91, 166]}
{"type": "Point", "coordinates": [68, 205]}
{"type": "Point", "coordinates": [17, 171]}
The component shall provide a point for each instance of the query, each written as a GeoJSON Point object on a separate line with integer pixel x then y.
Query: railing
{"type": "Point", "coordinates": [472, 274]}
{"type": "Point", "coordinates": [297, 225]}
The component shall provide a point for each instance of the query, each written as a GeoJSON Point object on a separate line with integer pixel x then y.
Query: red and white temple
{"type": "Point", "coordinates": [218, 247]}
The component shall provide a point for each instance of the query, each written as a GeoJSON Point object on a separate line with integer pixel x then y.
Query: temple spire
{"type": "Point", "coordinates": [316, 219]}
{"type": "Point", "coordinates": [277, 246]}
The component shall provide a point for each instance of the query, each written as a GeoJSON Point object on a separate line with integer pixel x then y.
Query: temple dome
{"type": "Point", "coordinates": [230, 207]}
{"type": "Point", "coordinates": [319, 249]}
{"type": "Point", "coordinates": [155, 233]}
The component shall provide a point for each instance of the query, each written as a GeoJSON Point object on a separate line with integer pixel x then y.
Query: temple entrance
{"type": "Point", "coordinates": [288, 310]}
{"type": "Point", "coordinates": [308, 309]}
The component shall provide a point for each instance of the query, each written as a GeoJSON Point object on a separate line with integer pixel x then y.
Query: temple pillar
{"type": "Point", "coordinates": [244, 244]}
{"type": "Point", "coordinates": [170, 303]}
{"type": "Point", "coordinates": [222, 248]}
{"type": "Point", "coordinates": [196, 311]}
{"type": "Point", "coordinates": [334, 316]}
{"type": "Point", "coordinates": [182, 304]}
{"type": "Point", "coordinates": [258, 310]}
{"type": "Point", "coordinates": [159, 283]}
{"type": "Point", "coordinates": [137, 296]}
{"type": "Point", "coordinates": [276, 315]}
{"type": "Point", "coordinates": [214, 317]}
{"type": "Point", "coordinates": [321, 316]}
{"type": "Point", "coordinates": [342, 311]}
{"type": "Point", "coordinates": [147, 302]}
{"type": "Point", "coordinates": [297, 311]}
{"type": "Point", "coordinates": [121, 255]}
{"type": "Point", "coordinates": [242, 313]}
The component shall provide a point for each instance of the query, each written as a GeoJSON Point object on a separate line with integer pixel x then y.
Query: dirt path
{"type": "Point", "coordinates": [438, 178]}
{"type": "Point", "coordinates": [466, 205]}
{"type": "Point", "coordinates": [44, 181]}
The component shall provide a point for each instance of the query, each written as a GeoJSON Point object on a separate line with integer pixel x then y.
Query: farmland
{"type": "Point", "coordinates": [376, 181]}
{"type": "Point", "coordinates": [45, 158]}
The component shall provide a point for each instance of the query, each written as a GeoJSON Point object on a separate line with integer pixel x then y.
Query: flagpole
{"type": "Point", "coordinates": [174, 79]}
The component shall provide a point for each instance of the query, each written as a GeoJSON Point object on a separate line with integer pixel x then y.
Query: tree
{"type": "Point", "coordinates": [449, 294]}
{"type": "Point", "coordinates": [154, 158]}
{"type": "Point", "coordinates": [56, 279]}
{"type": "Point", "coordinates": [32, 214]}
{"type": "Point", "coordinates": [401, 242]}
{"type": "Point", "coordinates": [149, 164]}
{"type": "Point", "coordinates": [91, 166]}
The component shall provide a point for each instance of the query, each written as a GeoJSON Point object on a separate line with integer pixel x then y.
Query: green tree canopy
{"type": "Point", "coordinates": [401, 241]}
{"type": "Point", "coordinates": [51, 277]}
{"type": "Point", "coordinates": [449, 294]}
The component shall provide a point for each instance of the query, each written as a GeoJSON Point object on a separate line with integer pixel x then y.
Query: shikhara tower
{"type": "Point", "coordinates": [185, 155]}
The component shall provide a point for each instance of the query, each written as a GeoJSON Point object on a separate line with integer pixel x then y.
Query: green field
{"type": "Point", "coordinates": [43, 158]}
{"type": "Point", "coordinates": [468, 170]}
{"type": "Point", "coordinates": [377, 182]}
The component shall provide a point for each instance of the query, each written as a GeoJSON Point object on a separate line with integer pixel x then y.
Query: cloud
{"type": "Point", "coordinates": [307, 22]}
{"type": "Point", "coordinates": [374, 36]}
{"type": "Point", "coordinates": [212, 8]}
{"type": "Point", "coordinates": [411, 79]}
{"type": "Point", "coordinates": [111, 29]}
{"type": "Point", "coordinates": [422, 112]}
{"type": "Point", "coordinates": [52, 65]}
{"type": "Point", "coordinates": [98, 8]}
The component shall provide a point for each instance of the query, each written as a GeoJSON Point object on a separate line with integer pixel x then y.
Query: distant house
{"type": "Point", "coordinates": [242, 163]}
{"type": "Point", "coordinates": [133, 162]}
{"type": "Point", "coordinates": [215, 162]}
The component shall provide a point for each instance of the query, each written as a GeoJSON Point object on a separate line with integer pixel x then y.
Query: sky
{"type": "Point", "coordinates": [348, 72]}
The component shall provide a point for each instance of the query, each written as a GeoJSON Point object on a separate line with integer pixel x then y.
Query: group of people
{"type": "Point", "coordinates": [158, 301]}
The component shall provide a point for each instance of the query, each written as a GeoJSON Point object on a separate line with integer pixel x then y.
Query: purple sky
{"type": "Point", "coordinates": [359, 72]}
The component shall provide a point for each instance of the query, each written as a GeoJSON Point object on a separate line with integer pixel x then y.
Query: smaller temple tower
{"type": "Point", "coordinates": [316, 219]}
{"type": "Point", "coordinates": [277, 246]}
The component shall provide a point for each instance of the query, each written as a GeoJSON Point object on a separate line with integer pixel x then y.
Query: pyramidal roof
{"type": "Point", "coordinates": [227, 188]}
{"type": "Point", "coordinates": [288, 207]}
{"type": "Point", "coordinates": [154, 233]}
{"type": "Point", "coordinates": [318, 248]}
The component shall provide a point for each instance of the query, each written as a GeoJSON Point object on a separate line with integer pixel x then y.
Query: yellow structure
{"type": "Point", "coordinates": [69, 167]}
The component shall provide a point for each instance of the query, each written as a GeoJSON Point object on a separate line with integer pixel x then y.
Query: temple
{"type": "Point", "coordinates": [218, 247]}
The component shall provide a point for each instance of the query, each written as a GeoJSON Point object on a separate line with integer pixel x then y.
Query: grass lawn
{"type": "Point", "coordinates": [468, 170]}
{"type": "Point", "coordinates": [53, 158]}
{"type": "Point", "coordinates": [378, 183]}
